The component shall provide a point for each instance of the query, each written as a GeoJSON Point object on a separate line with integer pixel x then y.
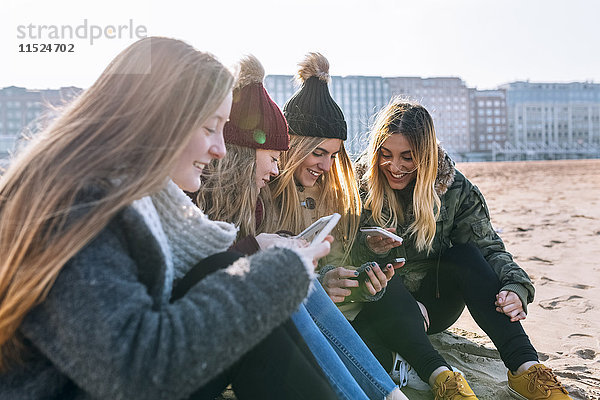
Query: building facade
{"type": "Point", "coordinates": [447, 100]}
{"type": "Point", "coordinates": [19, 107]}
{"type": "Point", "coordinates": [487, 121]}
{"type": "Point", "coordinates": [520, 120]}
{"type": "Point", "coordinates": [553, 114]}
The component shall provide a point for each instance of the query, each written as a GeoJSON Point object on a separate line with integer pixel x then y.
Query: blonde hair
{"type": "Point", "coordinates": [122, 135]}
{"type": "Point", "coordinates": [340, 191]}
{"type": "Point", "coordinates": [229, 193]}
{"type": "Point", "coordinates": [414, 122]}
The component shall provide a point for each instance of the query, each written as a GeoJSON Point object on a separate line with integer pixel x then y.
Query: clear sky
{"type": "Point", "coordinates": [484, 42]}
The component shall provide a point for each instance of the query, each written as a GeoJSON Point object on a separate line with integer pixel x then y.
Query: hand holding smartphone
{"type": "Point", "coordinates": [378, 231]}
{"type": "Point", "coordinates": [362, 274]}
{"type": "Point", "coordinates": [322, 227]}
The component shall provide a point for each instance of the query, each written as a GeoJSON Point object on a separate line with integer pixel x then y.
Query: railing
{"type": "Point", "coordinates": [551, 151]}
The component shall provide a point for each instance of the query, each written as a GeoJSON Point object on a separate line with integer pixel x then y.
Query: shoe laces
{"type": "Point", "coordinates": [453, 385]}
{"type": "Point", "coordinates": [544, 378]}
{"type": "Point", "coordinates": [400, 370]}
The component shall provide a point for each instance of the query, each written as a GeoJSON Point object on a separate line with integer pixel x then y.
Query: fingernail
{"type": "Point", "coordinates": [367, 280]}
{"type": "Point", "coordinates": [367, 269]}
{"type": "Point", "coordinates": [355, 273]}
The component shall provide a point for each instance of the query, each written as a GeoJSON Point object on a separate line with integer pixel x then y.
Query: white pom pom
{"type": "Point", "coordinates": [314, 64]}
{"type": "Point", "coordinates": [251, 71]}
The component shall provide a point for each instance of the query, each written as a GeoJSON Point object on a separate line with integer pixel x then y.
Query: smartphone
{"type": "Point", "coordinates": [320, 228]}
{"type": "Point", "coordinates": [362, 274]}
{"type": "Point", "coordinates": [377, 231]}
{"type": "Point", "coordinates": [396, 260]}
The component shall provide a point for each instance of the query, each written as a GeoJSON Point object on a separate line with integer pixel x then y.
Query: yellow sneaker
{"type": "Point", "coordinates": [450, 385]}
{"type": "Point", "coordinates": [538, 382]}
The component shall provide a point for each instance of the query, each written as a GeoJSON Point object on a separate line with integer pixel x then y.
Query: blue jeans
{"type": "Point", "coordinates": [348, 363]}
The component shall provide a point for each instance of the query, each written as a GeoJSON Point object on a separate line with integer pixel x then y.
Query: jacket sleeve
{"type": "Point", "coordinates": [472, 225]}
{"type": "Point", "coordinates": [101, 328]}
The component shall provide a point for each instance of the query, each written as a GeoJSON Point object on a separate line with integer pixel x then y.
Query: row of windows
{"type": "Point", "coordinates": [489, 120]}
{"type": "Point", "coordinates": [549, 96]}
{"type": "Point", "coordinates": [490, 129]}
{"type": "Point", "coordinates": [559, 134]}
{"type": "Point", "coordinates": [489, 111]}
{"type": "Point", "coordinates": [445, 124]}
{"type": "Point", "coordinates": [560, 119]}
{"type": "Point", "coordinates": [19, 104]}
{"type": "Point", "coordinates": [440, 99]}
{"type": "Point", "coordinates": [558, 127]}
{"type": "Point", "coordinates": [483, 138]}
{"type": "Point", "coordinates": [462, 92]}
{"type": "Point", "coordinates": [360, 85]}
{"type": "Point", "coordinates": [453, 132]}
{"type": "Point", "coordinates": [17, 115]}
{"type": "Point", "coordinates": [560, 109]}
{"type": "Point", "coordinates": [490, 103]}
{"type": "Point", "coordinates": [10, 125]}
{"type": "Point", "coordinates": [454, 110]}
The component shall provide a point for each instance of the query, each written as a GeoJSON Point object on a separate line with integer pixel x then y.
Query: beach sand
{"type": "Point", "coordinates": [548, 214]}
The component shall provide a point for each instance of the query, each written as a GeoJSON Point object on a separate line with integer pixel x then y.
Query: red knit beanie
{"type": "Point", "coordinates": [255, 120]}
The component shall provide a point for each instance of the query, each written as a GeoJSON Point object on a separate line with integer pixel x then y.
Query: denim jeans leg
{"type": "Point", "coordinates": [353, 352]}
{"type": "Point", "coordinates": [336, 372]}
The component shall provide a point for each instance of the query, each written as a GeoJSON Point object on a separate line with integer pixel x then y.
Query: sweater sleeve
{"type": "Point", "coordinates": [472, 224]}
{"type": "Point", "coordinates": [100, 327]}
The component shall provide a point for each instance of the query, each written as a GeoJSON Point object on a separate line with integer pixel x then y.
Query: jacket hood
{"type": "Point", "coordinates": [446, 172]}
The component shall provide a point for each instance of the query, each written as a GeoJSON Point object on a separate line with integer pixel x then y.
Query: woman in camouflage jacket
{"type": "Point", "coordinates": [453, 257]}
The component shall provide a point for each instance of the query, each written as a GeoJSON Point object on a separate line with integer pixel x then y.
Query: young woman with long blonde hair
{"type": "Point", "coordinates": [235, 189]}
{"type": "Point", "coordinates": [317, 179]}
{"type": "Point", "coordinates": [227, 193]}
{"type": "Point", "coordinates": [95, 228]}
{"type": "Point", "coordinates": [453, 257]}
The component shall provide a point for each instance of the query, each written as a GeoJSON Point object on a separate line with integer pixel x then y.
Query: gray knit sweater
{"type": "Point", "coordinates": [108, 331]}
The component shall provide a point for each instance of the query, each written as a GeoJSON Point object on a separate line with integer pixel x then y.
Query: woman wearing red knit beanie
{"type": "Point", "coordinates": [255, 136]}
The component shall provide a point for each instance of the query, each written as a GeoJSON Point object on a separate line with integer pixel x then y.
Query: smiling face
{"type": "Point", "coordinates": [318, 162]}
{"type": "Point", "coordinates": [205, 144]}
{"type": "Point", "coordinates": [266, 166]}
{"type": "Point", "coordinates": [396, 162]}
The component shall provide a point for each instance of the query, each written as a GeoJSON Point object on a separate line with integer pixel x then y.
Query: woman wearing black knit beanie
{"type": "Point", "coordinates": [317, 179]}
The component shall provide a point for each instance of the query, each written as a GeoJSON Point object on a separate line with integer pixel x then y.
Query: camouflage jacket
{"type": "Point", "coordinates": [464, 218]}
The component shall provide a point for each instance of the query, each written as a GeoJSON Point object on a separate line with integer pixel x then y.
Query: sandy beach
{"type": "Point", "coordinates": [548, 214]}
